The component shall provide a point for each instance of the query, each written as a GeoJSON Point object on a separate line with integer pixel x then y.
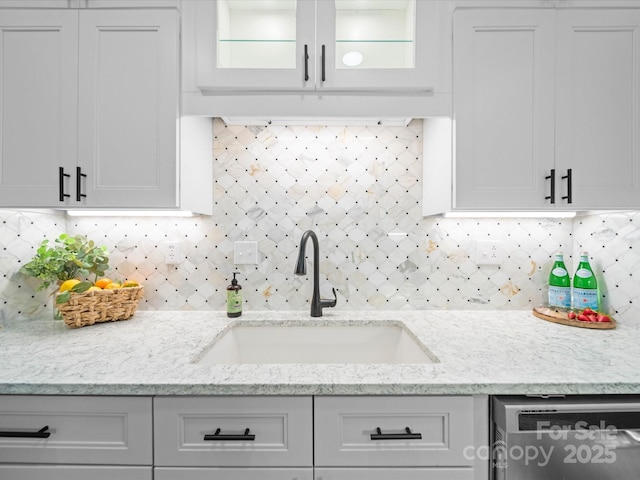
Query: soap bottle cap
{"type": "Point", "coordinates": [234, 282]}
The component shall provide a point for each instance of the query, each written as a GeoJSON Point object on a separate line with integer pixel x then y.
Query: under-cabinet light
{"type": "Point", "coordinates": [315, 121]}
{"type": "Point", "coordinates": [509, 214]}
{"type": "Point", "coordinates": [129, 213]}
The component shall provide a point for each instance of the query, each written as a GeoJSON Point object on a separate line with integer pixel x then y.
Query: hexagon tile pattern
{"type": "Point", "coordinates": [360, 189]}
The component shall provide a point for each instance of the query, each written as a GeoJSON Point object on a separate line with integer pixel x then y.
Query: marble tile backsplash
{"type": "Point", "coordinates": [360, 190]}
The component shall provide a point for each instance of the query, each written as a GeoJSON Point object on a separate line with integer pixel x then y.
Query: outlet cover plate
{"type": "Point", "coordinates": [245, 253]}
{"type": "Point", "coordinates": [489, 252]}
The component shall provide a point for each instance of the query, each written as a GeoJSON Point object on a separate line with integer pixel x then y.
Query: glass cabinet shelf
{"type": "Point", "coordinates": [248, 40]}
{"type": "Point", "coordinates": [374, 41]}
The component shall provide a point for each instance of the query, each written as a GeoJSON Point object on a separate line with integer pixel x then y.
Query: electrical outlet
{"type": "Point", "coordinates": [245, 253]}
{"type": "Point", "coordinates": [489, 252]}
{"type": "Point", "coordinates": [173, 256]}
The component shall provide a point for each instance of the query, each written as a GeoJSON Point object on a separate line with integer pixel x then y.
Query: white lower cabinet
{"type": "Point", "coordinates": [166, 473]}
{"type": "Point", "coordinates": [74, 472]}
{"type": "Point", "coordinates": [233, 432]}
{"type": "Point", "coordinates": [233, 438]}
{"type": "Point", "coordinates": [393, 474]}
{"type": "Point", "coordinates": [408, 437]}
{"type": "Point", "coordinates": [243, 437]}
{"type": "Point", "coordinates": [68, 437]}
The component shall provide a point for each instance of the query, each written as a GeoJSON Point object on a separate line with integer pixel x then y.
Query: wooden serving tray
{"type": "Point", "coordinates": [552, 315]}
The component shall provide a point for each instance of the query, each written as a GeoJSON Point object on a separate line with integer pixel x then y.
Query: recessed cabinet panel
{"type": "Point", "coordinates": [503, 109]}
{"type": "Point", "coordinates": [233, 431]}
{"type": "Point", "coordinates": [393, 431]}
{"type": "Point", "coordinates": [38, 106]}
{"type": "Point", "coordinates": [75, 430]}
{"type": "Point", "coordinates": [598, 119]}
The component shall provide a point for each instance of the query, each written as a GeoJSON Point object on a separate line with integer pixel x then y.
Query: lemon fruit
{"type": "Point", "coordinates": [130, 283]}
{"type": "Point", "coordinates": [69, 284]}
{"type": "Point", "coordinates": [113, 286]}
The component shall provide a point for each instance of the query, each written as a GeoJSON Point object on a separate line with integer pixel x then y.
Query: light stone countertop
{"type": "Point", "coordinates": [480, 352]}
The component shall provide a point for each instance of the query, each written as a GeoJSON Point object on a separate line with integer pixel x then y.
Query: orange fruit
{"type": "Point", "coordinates": [69, 284]}
{"type": "Point", "coordinates": [103, 282]}
{"type": "Point", "coordinates": [113, 286]}
{"type": "Point", "coordinates": [130, 283]}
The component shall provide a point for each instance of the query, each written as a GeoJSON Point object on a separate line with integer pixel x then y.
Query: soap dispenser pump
{"type": "Point", "coordinates": [234, 298]}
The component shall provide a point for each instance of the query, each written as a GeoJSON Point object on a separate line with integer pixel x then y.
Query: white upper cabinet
{"type": "Point", "coordinates": [38, 105]}
{"type": "Point", "coordinates": [377, 45]}
{"type": "Point", "coordinates": [598, 108]}
{"type": "Point", "coordinates": [289, 45]}
{"type": "Point", "coordinates": [546, 112]}
{"type": "Point", "coordinates": [248, 44]}
{"type": "Point", "coordinates": [503, 108]}
{"type": "Point", "coordinates": [128, 108]}
{"type": "Point", "coordinates": [89, 108]}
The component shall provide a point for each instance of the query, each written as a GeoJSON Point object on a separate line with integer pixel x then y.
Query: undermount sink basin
{"type": "Point", "coordinates": [316, 343]}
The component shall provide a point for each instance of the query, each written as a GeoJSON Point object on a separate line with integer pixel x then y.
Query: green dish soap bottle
{"type": "Point", "coordinates": [559, 284]}
{"type": "Point", "coordinates": [234, 298]}
{"type": "Point", "coordinates": [585, 286]}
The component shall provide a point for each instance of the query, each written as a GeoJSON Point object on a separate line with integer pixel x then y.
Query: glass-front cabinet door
{"type": "Point", "coordinates": [296, 45]}
{"type": "Point", "coordinates": [256, 44]}
{"type": "Point", "coordinates": [375, 44]}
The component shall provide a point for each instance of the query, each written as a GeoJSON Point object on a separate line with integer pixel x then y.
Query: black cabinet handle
{"type": "Point", "coordinates": [220, 437]}
{"type": "Point", "coordinates": [79, 177]}
{"type": "Point", "coordinates": [42, 433]}
{"type": "Point", "coordinates": [61, 177]}
{"type": "Point", "coordinates": [323, 64]}
{"type": "Point", "coordinates": [306, 63]}
{"type": "Point", "coordinates": [396, 436]}
{"type": "Point", "coordinates": [552, 195]}
{"type": "Point", "coordinates": [567, 177]}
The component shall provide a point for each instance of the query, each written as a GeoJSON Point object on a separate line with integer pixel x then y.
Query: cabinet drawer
{"type": "Point", "coordinates": [428, 473]}
{"type": "Point", "coordinates": [173, 473]}
{"type": "Point", "coordinates": [233, 431]}
{"type": "Point", "coordinates": [81, 430]}
{"type": "Point", "coordinates": [73, 472]}
{"type": "Point", "coordinates": [393, 431]}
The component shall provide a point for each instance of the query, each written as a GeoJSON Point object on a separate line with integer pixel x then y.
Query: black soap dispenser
{"type": "Point", "coordinates": [234, 298]}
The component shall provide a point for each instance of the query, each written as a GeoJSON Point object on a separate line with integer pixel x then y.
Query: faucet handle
{"type": "Point", "coordinates": [330, 303]}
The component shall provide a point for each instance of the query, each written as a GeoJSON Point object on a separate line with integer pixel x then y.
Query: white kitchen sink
{"type": "Point", "coordinates": [318, 343]}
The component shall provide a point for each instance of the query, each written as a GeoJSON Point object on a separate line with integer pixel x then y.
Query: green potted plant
{"type": "Point", "coordinates": [70, 257]}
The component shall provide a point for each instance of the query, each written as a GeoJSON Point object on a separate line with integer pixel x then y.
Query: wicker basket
{"type": "Point", "coordinates": [98, 306]}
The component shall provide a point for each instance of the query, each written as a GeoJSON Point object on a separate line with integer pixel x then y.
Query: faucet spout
{"type": "Point", "coordinates": [317, 303]}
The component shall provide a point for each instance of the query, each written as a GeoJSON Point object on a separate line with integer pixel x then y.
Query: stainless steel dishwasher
{"type": "Point", "coordinates": [583, 437]}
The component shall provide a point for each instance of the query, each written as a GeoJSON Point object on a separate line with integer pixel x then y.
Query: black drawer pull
{"type": "Point", "coordinates": [396, 436]}
{"type": "Point", "coordinates": [552, 191]}
{"type": "Point", "coordinates": [61, 177]}
{"type": "Point", "coordinates": [567, 177]}
{"type": "Point", "coordinates": [306, 63]}
{"type": "Point", "coordinates": [42, 433]}
{"type": "Point", "coordinates": [79, 177]}
{"type": "Point", "coordinates": [220, 437]}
